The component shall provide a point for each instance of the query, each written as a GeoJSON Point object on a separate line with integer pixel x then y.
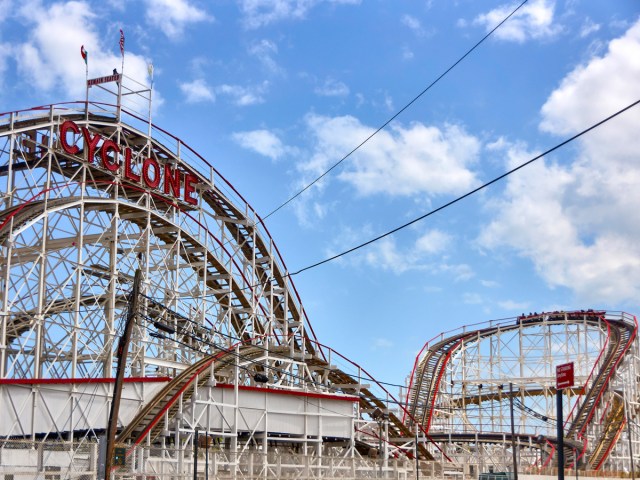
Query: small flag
{"type": "Point", "coordinates": [84, 54]}
{"type": "Point", "coordinates": [121, 42]}
{"type": "Point", "coordinates": [150, 70]}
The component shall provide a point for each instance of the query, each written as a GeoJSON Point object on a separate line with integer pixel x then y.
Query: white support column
{"type": "Point", "coordinates": [236, 402]}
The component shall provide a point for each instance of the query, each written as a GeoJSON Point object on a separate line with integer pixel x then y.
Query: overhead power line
{"type": "Point", "coordinates": [384, 125]}
{"type": "Point", "coordinates": [170, 335]}
{"type": "Point", "coordinates": [468, 194]}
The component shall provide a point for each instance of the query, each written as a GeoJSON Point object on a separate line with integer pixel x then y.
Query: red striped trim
{"type": "Point", "coordinates": [68, 381]}
{"type": "Point", "coordinates": [344, 398]}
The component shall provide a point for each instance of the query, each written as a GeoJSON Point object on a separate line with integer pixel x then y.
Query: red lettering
{"type": "Point", "coordinates": [108, 162]}
{"type": "Point", "coordinates": [64, 128]}
{"type": "Point", "coordinates": [171, 180]}
{"type": "Point", "coordinates": [190, 181]}
{"type": "Point", "coordinates": [148, 180]}
{"type": "Point", "coordinates": [151, 173]}
{"type": "Point", "coordinates": [90, 144]}
{"type": "Point", "coordinates": [128, 172]}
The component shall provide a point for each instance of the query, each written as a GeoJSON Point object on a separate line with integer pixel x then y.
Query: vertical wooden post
{"type": "Point", "coordinates": [123, 350]}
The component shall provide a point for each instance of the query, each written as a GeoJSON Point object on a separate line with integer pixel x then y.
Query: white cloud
{"type": "Point", "coordinates": [6, 7]}
{"type": "Point", "coordinates": [512, 305]}
{"type": "Point", "coordinates": [400, 161]}
{"type": "Point", "coordinates": [264, 51]}
{"type": "Point", "coordinates": [243, 96]}
{"type": "Point", "coordinates": [472, 298]}
{"type": "Point", "coordinates": [592, 91]}
{"type": "Point", "coordinates": [413, 24]}
{"type": "Point", "coordinates": [118, 5]}
{"type": "Point", "coordinates": [578, 223]}
{"type": "Point", "coordinates": [461, 272]}
{"type": "Point", "coordinates": [588, 28]}
{"type": "Point", "coordinates": [263, 142]}
{"type": "Point", "coordinates": [53, 46]}
{"type": "Point", "coordinates": [309, 211]}
{"type": "Point", "coordinates": [5, 53]}
{"type": "Point", "coordinates": [384, 254]}
{"type": "Point", "coordinates": [533, 20]}
{"type": "Point", "coordinates": [173, 16]}
{"type": "Point", "coordinates": [258, 13]}
{"type": "Point", "coordinates": [388, 102]}
{"type": "Point", "coordinates": [407, 54]}
{"type": "Point", "coordinates": [197, 91]}
{"type": "Point", "coordinates": [332, 88]}
{"type": "Point", "coordinates": [415, 161]}
{"type": "Point", "coordinates": [433, 241]}
{"type": "Point", "coordinates": [382, 344]}
{"type": "Point", "coordinates": [425, 254]}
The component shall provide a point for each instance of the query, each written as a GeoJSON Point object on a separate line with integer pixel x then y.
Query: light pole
{"type": "Point", "coordinates": [195, 453]}
{"type": "Point", "coordinates": [560, 433]}
{"type": "Point", "coordinates": [380, 447]}
{"type": "Point", "coordinates": [628, 418]}
{"type": "Point", "coordinates": [380, 417]}
{"type": "Point", "coordinates": [416, 454]}
{"type": "Point", "coordinates": [513, 434]}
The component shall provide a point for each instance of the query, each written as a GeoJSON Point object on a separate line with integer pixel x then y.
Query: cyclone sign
{"type": "Point", "coordinates": [117, 159]}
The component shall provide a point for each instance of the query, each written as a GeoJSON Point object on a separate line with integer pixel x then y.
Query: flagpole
{"type": "Point", "coordinates": [86, 86]}
{"type": "Point", "coordinates": [122, 51]}
{"type": "Point", "coordinates": [150, 71]}
{"type": "Point", "coordinates": [121, 74]}
{"type": "Point", "coordinates": [85, 56]}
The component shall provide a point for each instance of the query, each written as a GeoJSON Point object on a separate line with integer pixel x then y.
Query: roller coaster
{"type": "Point", "coordinates": [88, 200]}
{"type": "Point", "coordinates": [461, 390]}
{"type": "Point", "coordinates": [222, 355]}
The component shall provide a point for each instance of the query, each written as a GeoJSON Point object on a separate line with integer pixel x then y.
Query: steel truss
{"type": "Point", "coordinates": [72, 236]}
{"type": "Point", "coordinates": [217, 305]}
{"type": "Point", "coordinates": [221, 327]}
{"type": "Point", "coordinates": [465, 382]}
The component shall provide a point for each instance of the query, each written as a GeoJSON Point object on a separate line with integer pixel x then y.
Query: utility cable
{"type": "Point", "coordinates": [232, 338]}
{"type": "Point", "coordinates": [397, 114]}
{"type": "Point", "coordinates": [468, 194]}
{"type": "Point", "coordinates": [250, 361]}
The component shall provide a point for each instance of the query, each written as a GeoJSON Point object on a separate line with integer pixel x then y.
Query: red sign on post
{"type": "Point", "coordinates": [564, 376]}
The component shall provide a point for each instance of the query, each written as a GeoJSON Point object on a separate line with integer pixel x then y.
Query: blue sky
{"type": "Point", "coordinates": [273, 92]}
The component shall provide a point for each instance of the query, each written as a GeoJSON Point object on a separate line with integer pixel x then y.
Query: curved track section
{"type": "Point", "coordinates": [89, 196]}
{"type": "Point", "coordinates": [248, 360]}
{"type": "Point", "coordinates": [462, 385]}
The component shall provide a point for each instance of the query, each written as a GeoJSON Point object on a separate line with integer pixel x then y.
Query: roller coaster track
{"type": "Point", "coordinates": [522, 440]}
{"type": "Point", "coordinates": [167, 401]}
{"type": "Point", "coordinates": [191, 250]}
{"type": "Point", "coordinates": [428, 373]}
{"type": "Point", "coordinates": [369, 402]}
{"type": "Point", "coordinates": [622, 334]}
{"type": "Point", "coordinates": [241, 230]}
{"type": "Point", "coordinates": [147, 423]}
{"type": "Point", "coordinates": [263, 255]}
{"type": "Point", "coordinates": [19, 323]}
